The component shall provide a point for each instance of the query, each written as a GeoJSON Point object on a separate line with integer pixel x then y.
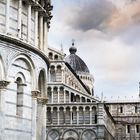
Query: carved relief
{"type": "Point", "coordinates": [53, 135]}
{"type": "Point", "coordinates": [89, 135]}
{"type": "Point", "coordinates": [3, 84]}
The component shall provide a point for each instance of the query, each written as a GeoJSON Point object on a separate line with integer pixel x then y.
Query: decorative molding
{"type": "Point", "coordinates": [3, 84]}
{"type": "Point", "coordinates": [42, 100]}
{"type": "Point", "coordinates": [36, 93]}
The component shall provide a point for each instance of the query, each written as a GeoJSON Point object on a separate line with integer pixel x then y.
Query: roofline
{"type": "Point", "coordinates": [24, 45]}
{"type": "Point", "coordinates": [78, 79]}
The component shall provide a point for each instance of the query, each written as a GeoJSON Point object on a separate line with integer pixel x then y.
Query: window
{"type": "Point", "coordinates": [121, 110]}
{"type": "Point", "coordinates": [137, 129]}
{"type": "Point", "coordinates": [136, 109]}
{"type": "Point", "coordinates": [128, 129]}
{"type": "Point", "coordinates": [19, 105]}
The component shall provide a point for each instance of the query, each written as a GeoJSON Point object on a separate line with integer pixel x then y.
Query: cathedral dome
{"type": "Point", "coordinates": [77, 64]}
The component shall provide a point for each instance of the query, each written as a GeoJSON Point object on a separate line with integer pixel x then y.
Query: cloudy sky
{"type": "Point", "coordinates": [107, 36]}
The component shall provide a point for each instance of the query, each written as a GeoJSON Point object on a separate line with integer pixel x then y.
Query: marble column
{"type": "Point", "coordinates": [52, 115]}
{"type": "Point", "coordinates": [84, 115]}
{"type": "Point", "coordinates": [7, 16]}
{"type": "Point", "coordinates": [49, 75]}
{"type": "Point", "coordinates": [41, 119]}
{"type": "Point", "coordinates": [36, 29]}
{"type": "Point", "coordinates": [58, 116]}
{"type": "Point", "coordinates": [64, 96]}
{"type": "Point", "coordinates": [64, 116]}
{"type": "Point", "coordinates": [3, 85]}
{"type": "Point", "coordinates": [45, 46]}
{"type": "Point", "coordinates": [52, 91]}
{"type": "Point", "coordinates": [35, 94]}
{"type": "Point", "coordinates": [19, 17]}
{"type": "Point", "coordinates": [29, 23]}
{"type": "Point", "coordinates": [62, 79]}
{"type": "Point", "coordinates": [58, 95]}
{"type": "Point", "coordinates": [69, 97]}
{"type": "Point", "coordinates": [41, 32]}
{"type": "Point", "coordinates": [71, 115]}
{"type": "Point", "coordinates": [90, 115]}
{"type": "Point", "coordinates": [77, 115]}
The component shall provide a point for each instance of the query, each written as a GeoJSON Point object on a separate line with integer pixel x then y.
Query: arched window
{"type": "Point", "coordinates": [56, 57]}
{"type": "Point", "coordinates": [19, 105]}
{"type": "Point", "coordinates": [41, 83]}
{"type": "Point", "coordinates": [50, 55]}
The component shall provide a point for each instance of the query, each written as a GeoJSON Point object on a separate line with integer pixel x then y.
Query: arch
{"type": "Point", "coordinates": [49, 92]}
{"type": "Point", "coordinates": [70, 134]}
{"type": "Point", "coordinates": [87, 115]}
{"type": "Point", "coordinates": [56, 57]}
{"type": "Point", "coordinates": [42, 82]}
{"type": "Point", "coordinates": [20, 81]}
{"type": "Point", "coordinates": [52, 73]}
{"type": "Point", "coordinates": [67, 115]}
{"type": "Point", "coordinates": [50, 55]}
{"type": "Point", "coordinates": [49, 115]}
{"type": "Point", "coordinates": [88, 134]}
{"type": "Point", "coordinates": [29, 63]}
{"type": "Point", "coordinates": [53, 134]}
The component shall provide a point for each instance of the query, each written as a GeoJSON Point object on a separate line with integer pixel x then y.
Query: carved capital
{"type": "Point", "coordinates": [42, 100]}
{"type": "Point", "coordinates": [36, 93]}
{"type": "Point", "coordinates": [3, 84]}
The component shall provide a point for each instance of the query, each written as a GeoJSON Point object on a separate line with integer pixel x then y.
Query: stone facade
{"type": "Point", "coordinates": [127, 117]}
{"type": "Point", "coordinates": [73, 113]}
{"type": "Point", "coordinates": [23, 68]}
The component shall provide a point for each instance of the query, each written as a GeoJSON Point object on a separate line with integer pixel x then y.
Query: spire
{"type": "Point", "coordinates": [73, 49]}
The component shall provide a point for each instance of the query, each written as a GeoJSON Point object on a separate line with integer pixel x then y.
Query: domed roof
{"type": "Point", "coordinates": [77, 64]}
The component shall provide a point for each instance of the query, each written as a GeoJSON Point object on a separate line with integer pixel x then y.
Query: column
{"type": "Point", "coordinates": [90, 115]}
{"type": "Point", "coordinates": [83, 115]}
{"type": "Point", "coordinates": [7, 16]}
{"type": "Point", "coordinates": [62, 79]}
{"type": "Point", "coordinates": [29, 23]}
{"type": "Point", "coordinates": [19, 17]}
{"type": "Point", "coordinates": [64, 116]}
{"type": "Point", "coordinates": [64, 96]}
{"type": "Point", "coordinates": [77, 115]}
{"type": "Point", "coordinates": [41, 32]}
{"type": "Point", "coordinates": [49, 75]}
{"type": "Point", "coordinates": [35, 94]}
{"type": "Point", "coordinates": [45, 46]}
{"type": "Point", "coordinates": [71, 115]}
{"type": "Point", "coordinates": [52, 91]}
{"type": "Point", "coordinates": [58, 116]}
{"type": "Point", "coordinates": [69, 97]}
{"type": "Point", "coordinates": [52, 116]}
{"type": "Point", "coordinates": [36, 29]}
{"type": "Point", "coordinates": [41, 121]}
{"type": "Point", "coordinates": [58, 93]}
{"type": "Point", "coordinates": [3, 85]}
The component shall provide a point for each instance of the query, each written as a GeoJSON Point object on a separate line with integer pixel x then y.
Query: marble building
{"type": "Point", "coordinates": [23, 68]}
{"type": "Point", "coordinates": [73, 113]}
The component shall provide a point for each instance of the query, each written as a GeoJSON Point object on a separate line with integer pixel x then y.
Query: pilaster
{"type": "Point", "coordinates": [36, 28]}
{"type": "Point", "coordinates": [3, 85]}
{"type": "Point", "coordinates": [7, 16]}
{"type": "Point", "coordinates": [19, 17]}
{"type": "Point", "coordinates": [29, 23]}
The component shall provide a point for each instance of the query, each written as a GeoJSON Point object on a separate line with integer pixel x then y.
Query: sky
{"type": "Point", "coordinates": [107, 37]}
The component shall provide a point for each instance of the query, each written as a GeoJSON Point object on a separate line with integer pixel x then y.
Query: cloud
{"type": "Point", "coordinates": [103, 15]}
{"type": "Point", "coordinates": [89, 15]}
